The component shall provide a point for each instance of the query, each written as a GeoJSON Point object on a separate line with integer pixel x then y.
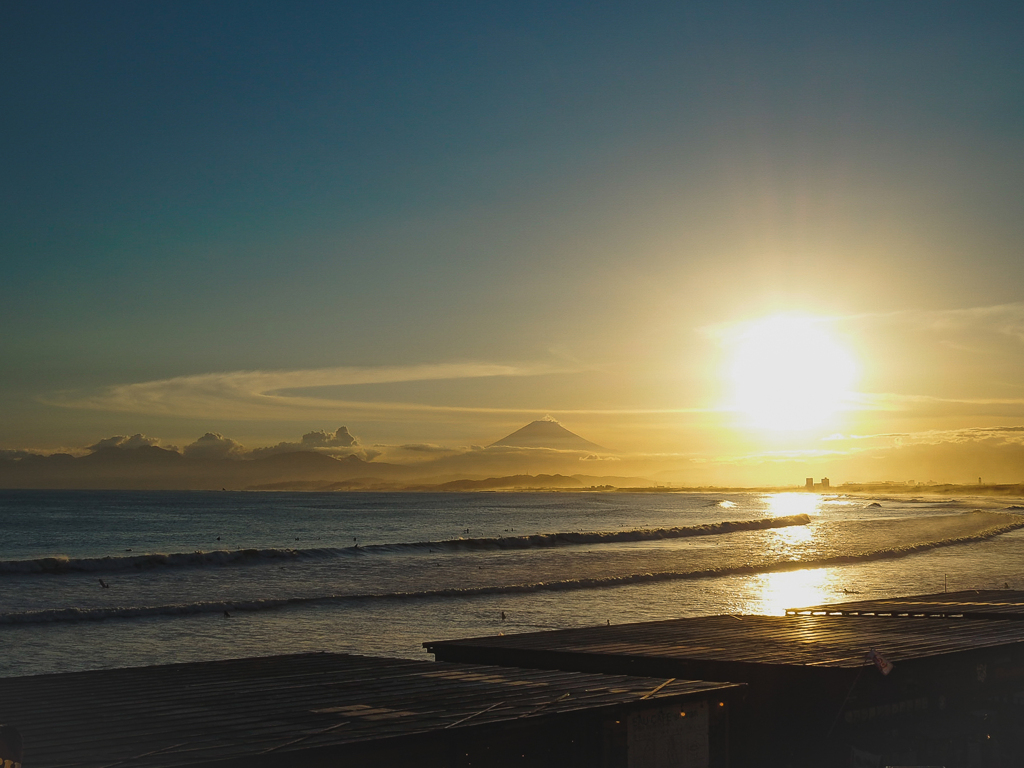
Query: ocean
{"type": "Point", "coordinates": [102, 579]}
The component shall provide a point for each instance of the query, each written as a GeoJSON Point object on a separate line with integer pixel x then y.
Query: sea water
{"type": "Point", "coordinates": [98, 579]}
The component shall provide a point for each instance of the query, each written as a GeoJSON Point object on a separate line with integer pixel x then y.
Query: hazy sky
{"type": "Point", "coordinates": [435, 223]}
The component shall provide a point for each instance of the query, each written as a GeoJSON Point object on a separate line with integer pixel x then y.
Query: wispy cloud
{"type": "Point", "coordinates": [281, 395]}
{"type": "Point", "coordinates": [999, 442]}
{"type": "Point", "coordinates": [1004, 434]}
{"type": "Point", "coordinates": [998, 319]}
{"type": "Point", "coordinates": [428, 448]}
{"type": "Point", "coordinates": [1002, 319]}
{"type": "Point", "coordinates": [272, 394]}
{"type": "Point", "coordinates": [891, 401]}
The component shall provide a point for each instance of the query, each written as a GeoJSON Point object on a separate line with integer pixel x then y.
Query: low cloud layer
{"type": "Point", "coordinates": [214, 445]}
{"type": "Point", "coordinates": [7, 453]}
{"type": "Point", "coordinates": [426, 448]}
{"type": "Point", "coordinates": [124, 441]}
{"type": "Point", "coordinates": [337, 443]}
{"type": "Point", "coordinates": [320, 439]}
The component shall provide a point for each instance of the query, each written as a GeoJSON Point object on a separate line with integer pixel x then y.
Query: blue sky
{"type": "Point", "coordinates": [563, 203]}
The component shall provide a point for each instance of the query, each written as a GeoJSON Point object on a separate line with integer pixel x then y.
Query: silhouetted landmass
{"type": "Point", "coordinates": [355, 484]}
{"type": "Point", "coordinates": [512, 481]}
{"type": "Point", "coordinates": [153, 468]}
{"type": "Point", "coordinates": [541, 456]}
{"type": "Point", "coordinates": [617, 481]}
{"type": "Point", "coordinates": [534, 457]}
{"type": "Point", "coordinates": [1009, 489]}
{"type": "Point", "coordinates": [462, 485]}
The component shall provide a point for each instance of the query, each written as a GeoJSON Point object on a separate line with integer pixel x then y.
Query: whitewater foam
{"type": "Point", "coordinates": [111, 564]}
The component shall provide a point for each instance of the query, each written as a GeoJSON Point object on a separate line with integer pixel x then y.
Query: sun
{"type": "Point", "coordinates": [790, 373]}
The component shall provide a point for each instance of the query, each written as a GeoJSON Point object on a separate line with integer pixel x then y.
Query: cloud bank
{"type": "Point", "coordinates": [123, 441]}
{"type": "Point", "coordinates": [337, 443]}
{"type": "Point", "coordinates": [214, 445]}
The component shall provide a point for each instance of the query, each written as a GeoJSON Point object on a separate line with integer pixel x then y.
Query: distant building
{"type": "Point", "coordinates": [809, 484]}
{"type": "Point", "coordinates": [824, 483]}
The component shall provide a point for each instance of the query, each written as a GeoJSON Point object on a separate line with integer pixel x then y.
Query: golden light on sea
{"type": "Point", "coordinates": [794, 589]}
{"type": "Point", "coordinates": [789, 589]}
{"type": "Point", "coordinates": [787, 504]}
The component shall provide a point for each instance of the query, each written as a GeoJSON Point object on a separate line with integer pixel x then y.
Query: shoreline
{"type": "Point", "coordinates": [1005, 490]}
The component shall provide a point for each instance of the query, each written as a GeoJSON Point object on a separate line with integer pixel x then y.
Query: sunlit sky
{"type": "Point", "coordinates": [435, 223]}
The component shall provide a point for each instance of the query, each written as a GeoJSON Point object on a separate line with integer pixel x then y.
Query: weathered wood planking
{"type": "Point", "coordinates": [811, 689]}
{"type": "Point", "coordinates": [251, 709]}
{"type": "Point", "coordinates": [824, 641]}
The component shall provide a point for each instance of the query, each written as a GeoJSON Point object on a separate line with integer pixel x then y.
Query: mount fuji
{"type": "Point", "coordinates": [546, 433]}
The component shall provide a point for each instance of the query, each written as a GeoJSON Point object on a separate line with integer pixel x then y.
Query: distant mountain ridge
{"type": "Point", "coordinates": [543, 454]}
{"type": "Point", "coordinates": [153, 468]}
{"type": "Point", "coordinates": [513, 481]}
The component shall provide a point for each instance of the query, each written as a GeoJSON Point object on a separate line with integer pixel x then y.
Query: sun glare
{"type": "Point", "coordinates": [794, 589]}
{"type": "Point", "coordinates": [790, 373]}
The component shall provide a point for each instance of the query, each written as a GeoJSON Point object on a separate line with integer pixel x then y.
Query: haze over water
{"type": "Point", "coordinates": [383, 573]}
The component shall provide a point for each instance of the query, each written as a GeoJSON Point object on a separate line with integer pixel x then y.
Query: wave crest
{"type": "Point", "coordinates": [61, 564]}
{"type": "Point", "coordinates": [132, 612]}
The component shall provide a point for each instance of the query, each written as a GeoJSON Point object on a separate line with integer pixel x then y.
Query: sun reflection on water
{"type": "Point", "coordinates": [791, 589]}
{"type": "Point", "coordinates": [786, 504]}
{"type": "Point", "coordinates": [794, 589]}
{"type": "Point", "coordinates": [783, 504]}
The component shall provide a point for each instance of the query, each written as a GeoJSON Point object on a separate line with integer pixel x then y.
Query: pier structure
{"type": "Point", "coordinates": [822, 689]}
{"type": "Point", "coordinates": [966, 604]}
{"type": "Point", "coordinates": [911, 681]}
{"type": "Point", "coordinates": [324, 709]}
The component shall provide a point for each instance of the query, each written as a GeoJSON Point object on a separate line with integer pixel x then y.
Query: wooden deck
{"type": "Point", "coordinates": [286, 710]}
{"type": "Point", "coordinates": [812, 691]}
{"type": "Point", "coordinates": [791, 641]}
{"type": "Point", "coordinates": [970, 604]}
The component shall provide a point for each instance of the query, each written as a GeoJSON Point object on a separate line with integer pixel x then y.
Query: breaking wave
{"type": "Point", "coordinates": [60, 564]}
{"type": "Point", "coordinates": [62, 615]}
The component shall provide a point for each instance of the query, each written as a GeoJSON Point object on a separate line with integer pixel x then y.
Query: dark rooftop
{"type": "Point", "coordinates": [970, 604]}
{"type": "Point", "coordinates": [263, 711]}
{"type": "Point", "coordinates": [811, 690]}
{"type": "Point", "coordinates": [819, 641]}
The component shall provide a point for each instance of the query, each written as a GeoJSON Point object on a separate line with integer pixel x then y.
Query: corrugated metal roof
{"type": "Point", "coordinates": [194, 714]}
{"type": "Point", "coordinates": [970, 604]}
{"type": "Point", "coordinates": [821, 641]}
